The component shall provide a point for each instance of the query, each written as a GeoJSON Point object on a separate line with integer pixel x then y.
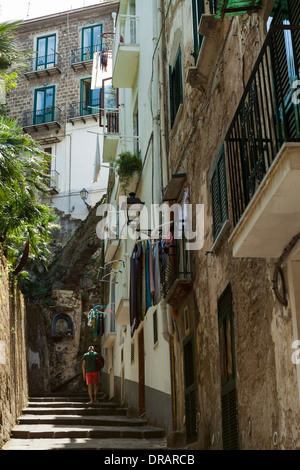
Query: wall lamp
{"type": "Point", "coordinates": [84, 195]}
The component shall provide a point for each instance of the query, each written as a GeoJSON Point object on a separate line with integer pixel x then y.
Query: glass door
{"type": "Point", "coordinates": [90, 99]}
{"type": "Point", "coordinates": [45, 52]}
{"type": "Point", "coordinates": [91, 41]}
{"type": "Point", "coordinates": [44, 105]}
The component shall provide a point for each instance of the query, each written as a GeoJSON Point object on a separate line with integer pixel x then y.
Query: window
{"type": "Point", "coordinates": [90, 99]}
{"type": "Point", "coordinates": [198, 8]}
{"type": "Point", "coordinates": [155, 331]}
{"type": "Point", "coordinates": [91, 41]}
{"type": "Point", "coordinates": [44, 105]}
{"type": "Point", "coordinates": [228, 373]}
{"type": "Point", "coordinates": [46, 47]}
{"type": "Point", "coordinates": [219, 193]}
{"type": "Point", "coordinates": [176, 93]}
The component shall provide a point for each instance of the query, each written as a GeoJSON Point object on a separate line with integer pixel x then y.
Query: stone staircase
{"type": "Point", "coordinates": [68, 422]}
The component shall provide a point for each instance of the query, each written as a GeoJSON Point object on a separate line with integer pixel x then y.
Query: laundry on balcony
{"type": "Point", "coordinates": [147, 263]}
{"type": "Point", "coordinates": [102, 68]}
{"type": "Point", "coordinates": [236, 7]}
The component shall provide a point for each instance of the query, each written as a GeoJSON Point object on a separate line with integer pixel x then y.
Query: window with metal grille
{"type": "Point", "coordinates": [176, 93]}
{"type": "Point", "coordinates": [132, 353]}
{"type": "Point", "coordinates": [228, 372]}
{"type": "Point", "coordinates": [219, 193]}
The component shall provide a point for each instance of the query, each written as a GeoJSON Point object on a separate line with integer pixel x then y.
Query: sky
{"type": "Point", "coordinates": [11, 10]}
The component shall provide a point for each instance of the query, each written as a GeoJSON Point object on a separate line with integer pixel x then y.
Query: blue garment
{"type": "Point", "coordinates": [148, 293]}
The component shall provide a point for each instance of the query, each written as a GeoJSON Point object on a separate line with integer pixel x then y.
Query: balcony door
{"type": "Point", "coordinates": [46, 52]}
{"type": "Point", "coordinates": [90, 99]}
{"type": "Point", "coordinates": [285, 56]}
{"type": "Point", "coordinates": [44, 105]}
{"type": "Point", "coordinates": [91, 41]}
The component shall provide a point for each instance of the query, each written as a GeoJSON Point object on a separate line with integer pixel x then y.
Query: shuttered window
{"type": "Point", "coordinates": [198, 9]}
{"type": "Point", "coordinates": [176, 93]}
{"type": "Point", "coordinates": [219, 194]}
{"type": "Point", "coordinates": [190, 389]}
{"type": "Point", "coordinates": [227, 371]}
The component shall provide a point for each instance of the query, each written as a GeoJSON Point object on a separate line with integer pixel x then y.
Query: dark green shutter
{"type": "Point", "coordinates": [176, 87]}
{"type": "Point", "coordinates": [219, 193]}
{"type": "Point", "coordinates": [236, 7]}
{"type": "Point", "coordinates": [198, 9]}
{"type": "Point", "coordinates": [190, 391]}
{"type": "Point", "coordinates": [228, 372]}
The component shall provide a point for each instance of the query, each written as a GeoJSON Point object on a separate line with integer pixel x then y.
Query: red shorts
{"type": "Point", "coordinates": [92, 378]}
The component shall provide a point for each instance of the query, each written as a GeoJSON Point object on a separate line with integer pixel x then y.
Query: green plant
{"type": "Point", "coordinates": [127, 165]}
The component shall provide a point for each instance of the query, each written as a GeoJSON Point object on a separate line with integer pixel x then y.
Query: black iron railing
{"type": "Point", "coordinates": [37, 63]}
{"type": "Point", "coordinates": [41, 116]}
{"type": "Point", "coordinates": [213, 5]}
{"type": "Point", "coordinates": [267, 115]}
{"type": "Point", "coordinates": [84, 108]}
{"type": "Point", "coordinates": [84, 53]}
{"type": "Point", "coordinates": [175, 263]}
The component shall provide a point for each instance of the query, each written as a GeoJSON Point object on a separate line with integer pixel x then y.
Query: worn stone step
{"type": "Point", "coordinates": [86, 444]}
{"type": "Point", "coordinates": [81, 420]}
{"type": "Point", "coordinates": [83, 399]}
{"type": "Point", "coordinates": [52, 431]}
{"type": "Point", "coordinates": [70, 404]}
{"type": "Point", "coordinates": [83, 411]}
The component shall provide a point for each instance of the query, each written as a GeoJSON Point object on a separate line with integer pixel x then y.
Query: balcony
{"type": "Point", "coordinates": [111, 133]}
{"type": "Point", "coordinates": [42, 120]}
{"type": "Point", "coordinates": [84, 111]}
{"type": "Point", "coordinates": [109, 328]}
{"type": "Point", "coordinates": [176, 277]}
{"type": "Point", "coordinates": [126, 51]}
{"type": "Point", "coordinates": [54, 182]}
{"type": "Point", "coordinates": [263, 151]}
{"type": "Point", "coordinates": [82, 59]}
{"type": "Point", "coordinates": [40, 67]}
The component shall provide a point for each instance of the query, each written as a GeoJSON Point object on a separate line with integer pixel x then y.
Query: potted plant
{"type": "Point", "coordinates": [128, 166]}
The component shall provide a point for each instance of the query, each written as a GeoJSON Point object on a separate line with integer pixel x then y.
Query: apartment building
{"type": "Point", "coordinates": [136, 340]}
{"type": "Point", "coordinates": [232, 138]}
{"type": "Point", "coordinates": [57, 103]}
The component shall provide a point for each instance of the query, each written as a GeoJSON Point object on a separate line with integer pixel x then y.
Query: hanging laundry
{"type": "Point", "coordinates": [148, 275]}
{"type": "Point", "coordinates": [156, 271]}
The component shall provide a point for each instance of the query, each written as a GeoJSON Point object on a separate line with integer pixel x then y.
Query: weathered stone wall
{"type": "Point", "coordinates": [13, 367]}
{"type": "Point", "coordinates": [267, 386]}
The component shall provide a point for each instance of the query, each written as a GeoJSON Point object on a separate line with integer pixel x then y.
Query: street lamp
{"type": "Point", "coordinates": [84, 195]}
{"type": "Point", "coordinates": [133, 204]}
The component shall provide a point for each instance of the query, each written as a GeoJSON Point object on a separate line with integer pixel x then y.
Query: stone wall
{"type": "Point", "coordinates": [267, 388]}
{"type": "Point", "coordinates": [13, 367]}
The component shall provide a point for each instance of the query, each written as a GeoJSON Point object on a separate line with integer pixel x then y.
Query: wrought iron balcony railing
{"type": "Point", "coordinates": [41, 116]}
{"type": "Point", "coordinates": [38, 63]}
{"type": "Point", "coordinates": [84, 53]}
{"type": "Point", "coordinates": [83, 108]}
{"type": "Point", "coordinates": [54, 181]}
{"type": "Point", "coordinates": [176, 277]}
{"type": "Point", "coordinates": [267, 115]}
{"type": "Point", "coordinates": [110, 121]}
{"type": "Point", "coordinates": [127, 32]}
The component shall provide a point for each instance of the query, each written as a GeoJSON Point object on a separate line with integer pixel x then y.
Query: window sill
{"type": "Point", "coordinates": [224, 230]}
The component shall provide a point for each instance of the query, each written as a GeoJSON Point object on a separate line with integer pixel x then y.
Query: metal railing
{"type": "Point", "coordinates": [54, 180]}
{"type": "Point", "coordinates": [266, 116]}
{"type": "Point", "coordinates": [83, 108]}
{"type": "Point", "coordinates": [41, 116]}
{"type": "Point", "coordinates": [37, 63]}
{"type": "Point", "coordinates": [85, 53]}
{"type": "Point", "coordinates": [127, 32]}
{"type": "Point", "coordinates": [175, 260]}
{"type": "Point", "coordinates": [111, 123]}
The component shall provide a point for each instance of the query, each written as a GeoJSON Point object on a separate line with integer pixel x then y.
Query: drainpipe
{"type": "Point", "coordinates": [162, 92]}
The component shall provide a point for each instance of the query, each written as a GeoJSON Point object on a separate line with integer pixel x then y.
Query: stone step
{"type": "Point", "coordinates": [82, 399]}
{"type": "Point", "coordinates": [86, 444]}
{"type": "Point", "coordinates": [52, 431]}
{"type": "Point", "coordinates": [82, 421]}
{"type": "Point", "coordinates": [70, 404]}
{"type": "Point", "coordinates": [80, 410]}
